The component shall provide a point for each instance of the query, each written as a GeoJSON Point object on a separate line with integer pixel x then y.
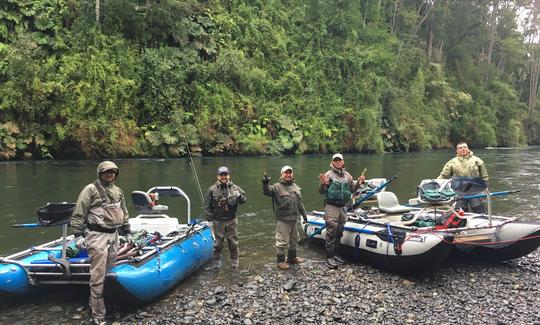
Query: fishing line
{"type": "Point", "coordinates": [194, 169]}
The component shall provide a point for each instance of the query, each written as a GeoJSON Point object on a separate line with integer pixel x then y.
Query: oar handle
{"type": "Point", "coordinates": [477, 196]}
{"type": "Point", "coordinates": [26, 225]}
{"type": "Point", "coordinates": [315, 233]}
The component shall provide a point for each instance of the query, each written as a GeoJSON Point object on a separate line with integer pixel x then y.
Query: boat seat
{"type": "Point", "coordinates": [145, 205]}
{"type": "Point", "coordinates": [388, 203]}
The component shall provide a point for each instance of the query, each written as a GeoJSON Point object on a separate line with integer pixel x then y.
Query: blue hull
{"type": "Point", "coordinates": [142, 281]}
{"type": "Point", "coordinates": [150, 279]}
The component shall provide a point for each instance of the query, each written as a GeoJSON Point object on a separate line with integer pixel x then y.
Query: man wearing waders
{"type": "Point", "coordinates": [468, 165]}
{"type": "Point", "coordinates": [222, 201]}
{"type": "Point", "coordinates": [288, 206]}
{"type": "Point", "coordinates": [337, 186]}
{"type": "Point", "coordinates": [99, 214]}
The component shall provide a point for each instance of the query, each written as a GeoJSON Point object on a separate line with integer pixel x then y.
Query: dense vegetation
{"type": "Point", "coordinates": [132, 78]}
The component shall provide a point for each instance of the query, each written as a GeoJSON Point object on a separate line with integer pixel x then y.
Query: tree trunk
{"type": "Point", "coordinates": [533, 85]}
{"type": "Point", "coordinates": [429, 49]}
{"type": "Point", "coordinates": [396, 10]}
{"type": "Point", "coordinates": [97, 11]}
{"type": "Point", "coordinates": [493, 20]}
{"type": "Point", "coordinates": [365, 14]}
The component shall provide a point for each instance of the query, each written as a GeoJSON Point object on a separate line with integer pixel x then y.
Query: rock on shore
{"type": "Point", "coordinates": [463, 293]}
{"type": "Point", "coordinates": [503, 293]}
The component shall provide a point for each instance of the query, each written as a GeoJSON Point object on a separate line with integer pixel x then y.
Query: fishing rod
{"type": "Point", "coordinates": [194, 170]}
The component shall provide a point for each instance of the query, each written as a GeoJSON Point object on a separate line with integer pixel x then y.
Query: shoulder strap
{"type": "Point", "coordinates": [102, 192]}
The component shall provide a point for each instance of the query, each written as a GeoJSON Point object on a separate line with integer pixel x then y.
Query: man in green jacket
{"type": "Point", "coordinates": [336, 186]}
{"type": "Point", "coordinates": [468, 165]}
{"type": "Point", "coordinates": [288, 205]}
{"type": "Point", "coordinates": [99, 213]}
{"type": "Point", "coordinates": [222, 201]}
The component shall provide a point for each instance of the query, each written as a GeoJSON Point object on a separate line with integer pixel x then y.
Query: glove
{"type": "Point", "coordinates": [80, 242]}
{"type": "Point", "coordinates": [129, 239]}
{"type": "Point", "coordinates": [266, 178]}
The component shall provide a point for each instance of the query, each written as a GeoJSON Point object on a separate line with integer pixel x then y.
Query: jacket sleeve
{"type": "Point", "coordinates": [77, 222]}
{"type": "Point", "coordinates": [125, 225]}
{"type": "Point", "coordinates": [482, 170]}
{"type": "Point", "coordinates": [446, 171]}
{"type": "Point", "coordinates": [208, 210]}
{"type": "Point", "coordinates": [242, 198]}
{"type": "Point", "coordinates": [267, 189]}
{"type": "Point", "coordinates": [301, 207]}
{"type": "Point", "coordinates": [354, 185]}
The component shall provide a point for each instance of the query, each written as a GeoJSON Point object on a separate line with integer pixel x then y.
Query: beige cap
{"type": "Point", "coordinates": [337, 155]}
{"type": "Point", "coordinates": [286, 168]}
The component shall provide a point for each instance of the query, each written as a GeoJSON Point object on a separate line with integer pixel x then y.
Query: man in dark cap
{"type": "Point", "coordinates": [222, 201]}
{"type": "Point", "coordinates": [99, 214]}
{"type": "Point", "coordinates": [288, 207]}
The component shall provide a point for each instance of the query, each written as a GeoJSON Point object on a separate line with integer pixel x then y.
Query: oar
{"type": "Point", "coordinates": [367, 196]}
{"type": "Point", "coordinates": [26, 225]}
{"type": "Point", "coordinates": [373, 192]}
{"type": "Point", "coordinates": [305, 239]}
{"type": "Point", "coordinates": [477, 196]}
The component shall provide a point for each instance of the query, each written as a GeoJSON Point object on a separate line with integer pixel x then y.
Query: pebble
{"type": "Point", "coordinates": [353, 294]}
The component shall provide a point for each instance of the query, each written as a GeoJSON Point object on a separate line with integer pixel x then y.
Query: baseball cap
{"type": "Point", "coordinates": [223, 169]}
{"type": "Point", "coordinates": [286, 168]}
{"type": "Point", "coordinates": [337, 155]}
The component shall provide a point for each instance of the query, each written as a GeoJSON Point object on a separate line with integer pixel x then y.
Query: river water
{"type": "Point", "coordinates": [25, 186]}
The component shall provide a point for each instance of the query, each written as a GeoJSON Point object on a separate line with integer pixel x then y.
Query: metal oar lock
{"type": "Point", "coordinates": [488, 195]}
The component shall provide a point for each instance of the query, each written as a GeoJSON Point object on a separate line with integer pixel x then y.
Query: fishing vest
{"type": "Point", "coordinates": [338, 193]}
{"type": "Point", "coordinates": [108, 215]}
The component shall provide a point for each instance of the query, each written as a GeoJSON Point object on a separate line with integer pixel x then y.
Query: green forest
{"type": "Point", "coordinates": [152, 78]}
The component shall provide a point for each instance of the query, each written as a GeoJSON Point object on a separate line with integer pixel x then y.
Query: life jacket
{"type": "Point", "coordinates": [432, 192]}
{"type": "Point", "coordinates": [338, 193]}
{"type": "Point", "coordinates": [450, 220]}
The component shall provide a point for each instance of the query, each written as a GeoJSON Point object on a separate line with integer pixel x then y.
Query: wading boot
{"type": "Point", "coordinates": [98, 321]}
{"type": "Point", "coordinates": [331, 263]}
{"type": "Point", "coordinates": [281, 264]}
{"type": "Point", "coordinates": [216, 264]}
{"type": "Point", "coordinates": [339, 260]}
{"type": "Point", "coordinates": [235, 263]}
{"type": "Point", "coordinates": [293, 259]}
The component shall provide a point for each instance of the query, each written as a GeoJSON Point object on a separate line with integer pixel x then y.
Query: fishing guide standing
{"type": "Point", "coordinates": [337, 185]}
{"type": "Point", "coordinates": [222, 200]}
{"type": "Point", "coordinates": [99, 213]}
{"type": "Point", "coordinates": [288, 205]}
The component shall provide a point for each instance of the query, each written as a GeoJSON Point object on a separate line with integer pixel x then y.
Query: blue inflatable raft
{"type": "Point", "coordinates": [172, 252]}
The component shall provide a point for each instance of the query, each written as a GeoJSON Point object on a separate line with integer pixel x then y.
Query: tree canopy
{"type": "Point", "coordinates": [136, 78]}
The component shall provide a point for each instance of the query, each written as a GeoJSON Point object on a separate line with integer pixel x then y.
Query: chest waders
{"type": "Point", "coordinates": [108, 215]}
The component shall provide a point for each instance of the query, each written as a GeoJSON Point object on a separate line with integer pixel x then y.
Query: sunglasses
{"type": "Point", "coordinates": [223, 174]}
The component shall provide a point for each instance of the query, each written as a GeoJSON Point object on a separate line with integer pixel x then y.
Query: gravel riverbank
{"type": "Point", "coordinates": [461, 293]}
